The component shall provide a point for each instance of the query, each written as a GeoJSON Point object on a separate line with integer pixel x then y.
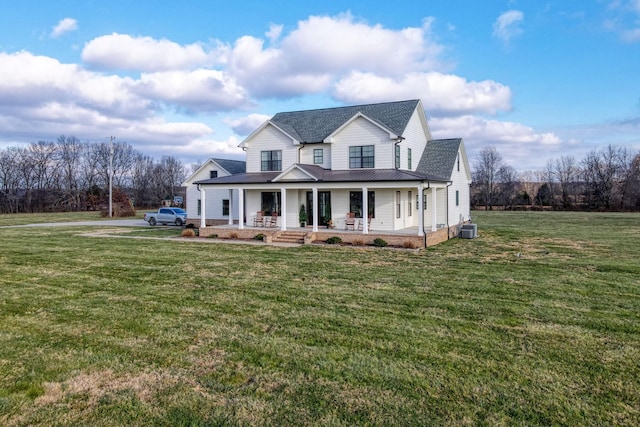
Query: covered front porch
{"type": "Point", "coordinates": [397, 208]}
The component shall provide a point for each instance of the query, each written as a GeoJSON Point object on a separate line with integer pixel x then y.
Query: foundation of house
{"type": "Point", "coordinates": [407, 238]}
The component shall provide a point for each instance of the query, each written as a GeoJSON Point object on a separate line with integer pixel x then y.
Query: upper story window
{"type": "Point", "coordinates": [361, 156]}
{"type": "Point", "coordinates": [213, 174]}
{"type": "Point", "coordinates": [318, 156]}
{"type": "Point", "coordinates": [409, 159]}
{"type": "Point", "coordinates": [271, 160]}
{"type": "Point", "coordinates": [397, 156]}
{"type": "Point", "coordinates": [458, 162]}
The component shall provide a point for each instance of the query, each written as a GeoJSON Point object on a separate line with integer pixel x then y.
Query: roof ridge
{"type": "Point", "coordinates": [346, 106]}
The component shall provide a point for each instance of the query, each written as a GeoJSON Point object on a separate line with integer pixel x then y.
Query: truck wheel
{"type": "Point", "coordinates": [152, 221]}
{"type": "Point", "coordinates": [179, 222]}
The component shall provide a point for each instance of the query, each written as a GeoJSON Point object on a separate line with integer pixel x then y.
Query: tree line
{"type": "Point", "coordinates": [70, 175]}
{"type": "Point", "coordinates": [607, 179]}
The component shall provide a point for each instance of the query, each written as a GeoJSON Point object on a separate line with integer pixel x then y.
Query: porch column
{"type": "Point", "coordinates": [230, 206]}
{"type": "Point", "coordinates": [420, 210]}
{"type": "Point", "coordinates": [315, 209]}
{"type": "Point", "coordinates": [283, 208]}
{"type": "Point", "coordinates": [365, 210]}
{"type": "Point", "coordinates": [240, 208]}
{"type": "Point", "coordinates": [434, 209]}
{"type": "Point", "coordinates": [203, 208]}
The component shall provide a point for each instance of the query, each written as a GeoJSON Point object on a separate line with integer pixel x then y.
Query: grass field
{"type": "Point", "coordinates": [536, 322]}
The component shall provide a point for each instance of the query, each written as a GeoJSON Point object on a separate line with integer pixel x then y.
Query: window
{"type": "Point", "coordinates": [213, 174]}
{"type": "Point", "coordinates": [397, 156]}
{"type": "Point", "coordinates": [409, 158]}
{"type": "Point", "coordinates": [271, 202]}
{"type": "Point", "coordinates": [271, 160]}
{"type": "Point", "coordinates": [225, 207]}
{"type": "Point", "coordinates": [199, 207]}
{"type": "Point", "coordinates": [318, 156]}
{"type": "Point", "coordinates": [355, 203]}
{"type": "Point", "coordinates": [398, 206]}
{"type": "Point", "coordinates": [361, 156]}
{"type": "Point", "coordinates": [424, 201]}
{"type": "Point", "coordinates": [409, 197]}
{"type": "Point", "coordinates": [457, 198]}
{"type": "Point", "coordinates": [458, 160]}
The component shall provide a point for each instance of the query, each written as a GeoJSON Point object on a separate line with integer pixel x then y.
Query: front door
{"type": "Point", "coordinates": [324, 207]}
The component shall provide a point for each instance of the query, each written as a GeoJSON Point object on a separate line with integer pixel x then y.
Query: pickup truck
{"type": "Point", "coordinates": [165, 216]}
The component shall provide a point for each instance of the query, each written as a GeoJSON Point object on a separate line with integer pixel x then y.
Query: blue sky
{"type": "Point", "coordinates": [537, 80]}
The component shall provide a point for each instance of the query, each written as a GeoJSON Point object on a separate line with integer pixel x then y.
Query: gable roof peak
{"type": "Point", "coordinates": [312, 126]}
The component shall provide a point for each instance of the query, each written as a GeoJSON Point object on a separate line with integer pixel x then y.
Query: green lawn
{"type": "Point", "coordinates": [21, 219]}
{"type": "Point", "coordinates": [536, 322]}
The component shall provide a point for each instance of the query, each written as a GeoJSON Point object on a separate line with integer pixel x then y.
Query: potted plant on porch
{"type": "Point", "coordinates": [302, 216]}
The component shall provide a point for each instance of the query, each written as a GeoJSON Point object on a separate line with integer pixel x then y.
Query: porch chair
{"type": "Point", "coordinates": [368, 223]}
{"type": "Point", "coordinates": [273, 221]}
{"type": "Point", "coordinates": [350, 221]}
{"type": "Point", "coordinates": [259, 219]}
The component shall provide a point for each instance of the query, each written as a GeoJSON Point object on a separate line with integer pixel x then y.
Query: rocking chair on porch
{"type": "Point", "coordinates": [368, 223]}
{"type": "Point", "coordinates": [273, 221]}
{"type": "Point", "coordinates": [350, 221]}
{"type": "Point", "coordinates": [259, 219]}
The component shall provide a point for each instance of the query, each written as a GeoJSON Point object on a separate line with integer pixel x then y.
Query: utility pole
{"type": "Point", "coordinates": [111, 138]}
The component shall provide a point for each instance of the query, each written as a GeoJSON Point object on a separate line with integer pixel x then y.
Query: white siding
{"type": "Point", "coordinates": [213, 201]}
{"type": "Point", "coordinates": [462, 212]}
{"type": "Point", "coordinates": [362, 132]}
{"type": "Point", "coordinates": [267, 140]}
{"type": "Point", "coordinates": [306, 154]}
{"type": "Point", "coordinates": [415, 138]}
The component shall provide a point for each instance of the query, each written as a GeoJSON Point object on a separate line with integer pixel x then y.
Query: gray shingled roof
{"type": "Point", "coordinates": [315, 125]}
{"type": "Point", "coordinates": [439, 157]}
{"type": "Point", "coordinates": [234, 167]}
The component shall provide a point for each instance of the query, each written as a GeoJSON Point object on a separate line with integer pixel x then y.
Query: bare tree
{"type": "Point", "coordinates": [10, 181]}
{"type": "Point", "coordinates": [632, 185]}
{"type": "Point", "coordinates": [507, 178]}
{"type": "Point", "coordinates": [489, 163]}
{"type": "Point", "coordinates": [566, 173]}
{"type": "Point", "coordinates": [71, 151]}
{"type": "Point", "coordinates": [600, 172]}
{"type": "Point", "coordinates": [142, 181]}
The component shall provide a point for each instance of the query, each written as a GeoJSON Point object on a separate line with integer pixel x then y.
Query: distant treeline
{"type": "Point", "coordinates": [70, 175]}
{"type": "Point", "coordinates": [605, 180]}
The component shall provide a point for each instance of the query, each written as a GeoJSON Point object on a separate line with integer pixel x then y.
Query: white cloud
{"type": "Point", "coordinates": [624, 19]}
{"type": "Point", "coordinates": [322, 48]}
{"type": "Point", "coordinates": [202, 90]}
{"type": "Point", "coordinates": [518, 144]}
{"type": "Point", "coordinates": [442, 94]}
{"type": "Point", "coordinates": [337, 44]}
{"type": "Point", "coordinates": [41, 96]}
{"type": "Point", "coordinates": [64, 26]}
{"type": "Point", "coordinates": [246, 125]}
{"type": "Point", "coordinates": [507, 26]}
{"type": "Point", "coordinates": [28, 82]}
{"type": "Point", "coordinates": [274, 32]}
{"type": "Point", "coordinates": [123, 52]}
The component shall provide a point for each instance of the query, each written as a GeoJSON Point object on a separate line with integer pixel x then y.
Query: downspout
{"type": "Point", "coordinates": [299, 150]}
{"type": "Point", "coordinates": [448, 185]}
{"type": "Point", "coordinates": [421, 201]}
{"type": "Point", "coordinates": [398, 140]}
{"type": "Point", "coordinates": [198, 188]}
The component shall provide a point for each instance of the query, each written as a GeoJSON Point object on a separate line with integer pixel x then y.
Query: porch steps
{"type": "Point", "coordinates": [290, 237]}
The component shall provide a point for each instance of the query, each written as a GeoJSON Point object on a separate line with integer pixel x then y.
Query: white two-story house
{"type": "Point", "coordinates": [377, 163]}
